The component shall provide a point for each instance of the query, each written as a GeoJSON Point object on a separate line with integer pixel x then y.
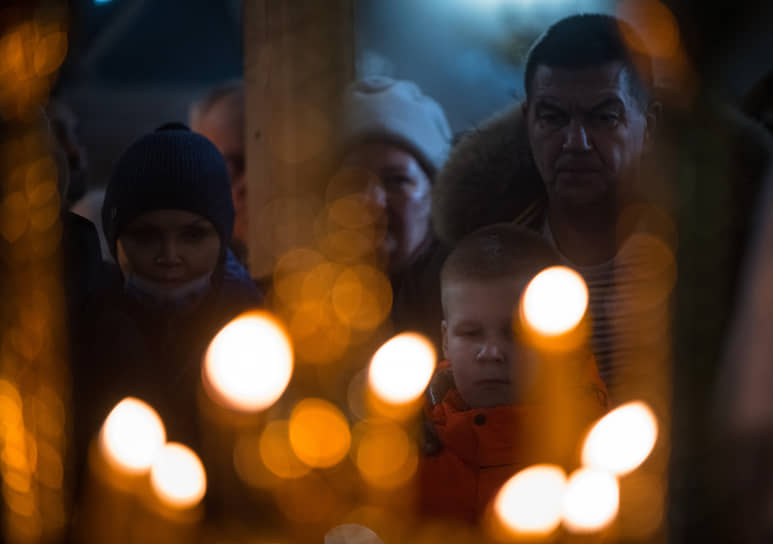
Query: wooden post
{"type": "Point", "coordinates": [298, 58]}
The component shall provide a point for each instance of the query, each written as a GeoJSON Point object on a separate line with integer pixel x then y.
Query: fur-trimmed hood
{"type": "Point", "coordinates": [489, 177]}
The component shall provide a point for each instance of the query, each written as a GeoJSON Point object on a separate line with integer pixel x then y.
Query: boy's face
{"type": "Point", "coordinates": [478, 342]}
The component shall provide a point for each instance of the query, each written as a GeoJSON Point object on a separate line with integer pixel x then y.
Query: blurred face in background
{"type": "Point", "coordinates": [169, 249]}
{"type": "Point", "coordinates": [397, 188]}
{"type": "Point", "coordinates": [489, 367]}
{"type": "Point", "coordinates": [223, 125]}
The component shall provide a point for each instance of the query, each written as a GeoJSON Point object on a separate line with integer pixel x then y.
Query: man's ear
{"type": "Point", "coordinates": [524, 110]}
{"type": "Point", "coordinates": [444, 336]}
{"type": "Point", "coordinates": [652, 120]}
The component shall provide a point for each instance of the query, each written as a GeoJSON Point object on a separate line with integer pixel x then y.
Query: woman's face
{"type": "Point", "coordinates": [170, 248]}
{"type": "Point", "coordinates": [399, 189]}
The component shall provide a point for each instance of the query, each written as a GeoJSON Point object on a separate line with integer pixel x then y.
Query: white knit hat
{"type": "Point", "coordinates": [381, 107]}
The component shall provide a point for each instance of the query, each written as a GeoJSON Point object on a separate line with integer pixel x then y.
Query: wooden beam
{"type": "Point", "coordinates": [298, 58]}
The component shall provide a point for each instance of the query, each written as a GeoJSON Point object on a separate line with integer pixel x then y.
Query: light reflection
{"type": "Point", "coordinates": [656, 25]}
{"type": "Point", "coordinates": [50, 52]}
{"type": "Point", "coordinates": [50, 470]}
{"type": "Point", "coordinates": [641, 505]}
{"type": "Point", "coordinates": [319, 433]}
{"type": "Point", "coordinates": [246, 462]}
{"type": "Point", "coordinates": [402, 368]}
{"type": "Point", "coordinates": [531, 502]}
{"type": "Point", "coordinates": [277, 453]}
{"type": "Point", "coordinates": [621, 441]}
{"type": "Point", "coordinates": [555, 301]}
{"type": "Point", "coordinates": [386, 456]}
{"type": "Point", "coordinates": [291, 271]}
{"type": "Point", "coordinates": [351, 533]}
{"type": "Point", "coordinates": [591, 500]}
{"type": "Point", "coordinates": [352, 212]}
{"type": "Point", "coordinates": [33, 438]}
{"type": "Point", "coordinates": [132, 435]}
{"type": "Point", "coordinates": [362, 297]}
{"type": "Point", "coordinates": [178, 477]}
{"type": "Point", "coordinates": [329, 340]}
{"type": "Point", "coordinates": [356, 395]}
{"type": "Point", "coordinates": [15, 217]}
{"type": "Point", "coordinates": [249, 363]}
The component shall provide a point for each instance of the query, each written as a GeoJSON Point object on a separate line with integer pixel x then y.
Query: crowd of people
{"type": "Point", "coordinates": [565, 177]}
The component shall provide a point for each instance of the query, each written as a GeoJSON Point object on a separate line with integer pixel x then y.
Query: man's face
{"type": "Point", "coordinates": [489, 367]}
{"type": "Point", "coordinates": [223, 125]}
{"type": "Point", "coordinates": [400, 191]}
{"type": "Point", "coordinates": [170, 248]}
{"type": "Point", "coordinates": [587, 133]}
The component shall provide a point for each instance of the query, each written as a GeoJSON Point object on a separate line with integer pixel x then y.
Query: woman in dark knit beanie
{"type": "Point", "coordinates": [168, 218]}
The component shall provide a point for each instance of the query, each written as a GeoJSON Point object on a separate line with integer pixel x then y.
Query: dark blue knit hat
{"type": "Point", "coordinates": [170, 168]}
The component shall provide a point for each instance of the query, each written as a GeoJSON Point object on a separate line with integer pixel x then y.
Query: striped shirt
{"type": "Point", "coordinates": [629, 305]}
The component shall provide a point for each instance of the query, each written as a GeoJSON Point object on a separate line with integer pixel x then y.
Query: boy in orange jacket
{"type": "Point", "coordinates": [486, 405]}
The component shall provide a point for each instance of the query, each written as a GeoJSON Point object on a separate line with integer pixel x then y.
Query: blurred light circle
{"type": "Point", "coordinates": [591, 500]}
{"type": "Point", "coordinates": [386, 455]}
{"type": "Point", "coordinates": [620, 441]}
{"type": "Point", "coordinates": [655, 30]}
{"type": "Point", "coordinates": [327, 341]}
{"type": "Point", "coordinates": [291, 271]}
{"type": "Point", "coordinates": [245, 454]}
{"type": "Point", "coordinates": [531, 502]}
{"type": "Point", "coordinates": [356, 394]}
{"type": "Point", "coordinates": [178, 476]}
{"type": "Point", "coordinates": [249, 363]}
{"type": "Point", "coordinates": [319, 433]}
{"type": "Point", "coordinates": [555, 301]}
{"type": "Point", "coordinates": [132, 435]}
{"type": "Point", "coordinates": [277, 454]}
{"type": "Point", "coordinates": [402, 368]}
{"type": "Point", "coordinates": [362, 297]}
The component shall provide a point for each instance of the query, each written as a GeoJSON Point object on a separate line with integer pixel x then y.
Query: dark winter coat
{"type": "Point", "coordinates": [471, 453]}
{"type": "Point", "coordinates": [152, 352]}
{"type": "Point", "coordinates": [490, 177]}
{"type": "Point", "coordinates": [416, 304]}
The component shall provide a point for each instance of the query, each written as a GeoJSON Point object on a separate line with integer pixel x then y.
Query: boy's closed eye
{"type": "Point", "coordinates": [467, 331]}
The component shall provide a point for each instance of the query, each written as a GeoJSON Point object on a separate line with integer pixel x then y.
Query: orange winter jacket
{"type": "Point", "coordinates": [483, 448]}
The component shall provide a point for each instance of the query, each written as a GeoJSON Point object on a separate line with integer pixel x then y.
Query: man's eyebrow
{"type": "Point", "coordinates": [467, 323]}
{"type": "Point", "coordinates": [548, 103]}
{"type": "Point", "coordinates": [608, 103]}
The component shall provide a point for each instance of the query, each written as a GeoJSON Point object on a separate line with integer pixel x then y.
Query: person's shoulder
{"type": "Point", "coordinates": [78, 222]}
{"type": "Point", "coordinates": [237, 286]}
{"type": "Point", "coordinates": [79, 235]}
{"type": "Point", "coordinates": [489, 177]}
{"type": "Point", "coordinates": [235, 293]}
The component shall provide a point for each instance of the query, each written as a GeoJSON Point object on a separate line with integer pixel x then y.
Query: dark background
{"type": "Point", "coordinates": [134, 64]}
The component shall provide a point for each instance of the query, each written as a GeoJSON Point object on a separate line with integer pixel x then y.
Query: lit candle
{"type": "Point", "coordinates": [553, 321]}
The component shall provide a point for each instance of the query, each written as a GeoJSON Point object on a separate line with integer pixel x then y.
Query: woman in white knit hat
{"type": "Point", "coordinates": [398, 138]}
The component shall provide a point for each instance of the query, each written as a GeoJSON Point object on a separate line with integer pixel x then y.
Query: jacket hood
{"type": "Point", "coordinates": [489, 177]}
